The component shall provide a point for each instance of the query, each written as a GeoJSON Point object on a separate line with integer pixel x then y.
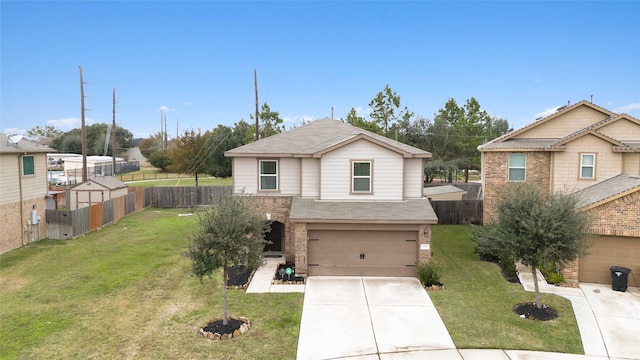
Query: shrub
{"type": "Point", "coordinates": [551, 273]}
{"type": "Point", "coordinates": [508, 266]}
{"type": "Point", "coordinates": [429, 274]}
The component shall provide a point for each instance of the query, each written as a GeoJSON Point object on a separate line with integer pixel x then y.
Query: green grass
{"type": "Point", "coordinates": [126, 292]}
{"type": "Point", "coordinates": [477, 304]}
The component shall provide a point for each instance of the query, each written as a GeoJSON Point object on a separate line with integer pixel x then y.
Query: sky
{"type": "Point", "coordinates": [195, 60]}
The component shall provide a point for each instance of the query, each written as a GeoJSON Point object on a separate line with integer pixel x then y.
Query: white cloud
{"type": "Point", "coordinates": [14, 131]}
{"type": "Point", "coordinates": [165, 108]}
{"type": "Point", "coordinates": [546, 112]}
{"type": "Point", "coordinates": [188, 103]}
{"type": "Point", "coordinates": [628, 108]}
{"type": "Point", "coordinates": [65, 124]}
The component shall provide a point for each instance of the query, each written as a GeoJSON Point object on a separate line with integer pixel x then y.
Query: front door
{"type": "Point", "coordinates": [274, 237]}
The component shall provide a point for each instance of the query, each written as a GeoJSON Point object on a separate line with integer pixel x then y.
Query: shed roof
{"type": "Point", "coordinates": [108, 182]}
{"type": "Point", "coordinates": [416, 211]}
{"type": "Point", "coordinates": [318, 137]}
{"type": "Point", "coordinates": [442, 189]}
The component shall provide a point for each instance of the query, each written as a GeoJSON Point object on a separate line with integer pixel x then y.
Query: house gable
{"type": "Point", "coordinates": [622, 128]}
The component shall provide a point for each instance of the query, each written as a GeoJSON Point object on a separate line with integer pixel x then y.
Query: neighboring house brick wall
{"type": "Point", "coordinates": [620, 217]}
{"type": "Point", "coordinates": [496, 172]}
{"type": "Point", "coordinates": [11, 234]}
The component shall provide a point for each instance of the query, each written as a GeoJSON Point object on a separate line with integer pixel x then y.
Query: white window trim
{"type": "Point", "coordinates": [593, 167]}
{"type": "Point", "coordinates": [276, 175]}
{"type": "Point", "coordinates": [353, 177]}
{"type": "Point", "coordinates": [509, 168]}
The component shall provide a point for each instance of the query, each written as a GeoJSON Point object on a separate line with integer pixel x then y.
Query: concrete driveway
{"type": "Point", "coordinates": [364, 317]}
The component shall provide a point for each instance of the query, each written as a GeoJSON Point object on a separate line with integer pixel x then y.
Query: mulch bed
{"type": "Point", "coordinates": [239, 277]}
{"type": "Point", "coordinates": [281, 277]}
{"type": "Point", "coordinates": [217, 327]}
{"type": "Point", "coordinates": [235, 327]}
{"type": "Point", "coordinates": [530, 311]}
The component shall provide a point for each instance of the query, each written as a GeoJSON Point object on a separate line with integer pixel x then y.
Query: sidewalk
{"type": "Point", "coordinates": [263, 278]}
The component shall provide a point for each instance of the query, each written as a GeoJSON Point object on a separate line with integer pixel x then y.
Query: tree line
{"type": "Point", "coordinates": [453, 137]}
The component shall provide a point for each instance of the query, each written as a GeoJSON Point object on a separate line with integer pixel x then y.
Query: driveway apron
{"type": "Point", "coordinates": [364, 317]}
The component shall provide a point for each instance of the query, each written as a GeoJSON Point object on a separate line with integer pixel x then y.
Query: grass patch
{"type": "Point", "coordinates": [126, 292]}
{"type": "Point", "coordinates": [476, 306]}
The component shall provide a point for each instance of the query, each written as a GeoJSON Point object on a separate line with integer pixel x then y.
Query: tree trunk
{"type": "Point", "coordinates": [225, 314]}
{"type": "Point", "coordinates": [197, 184]}
{"type": "Point", "coordinates": [466, 175]}
{"type": "Point", "coordinates": [535, 282]}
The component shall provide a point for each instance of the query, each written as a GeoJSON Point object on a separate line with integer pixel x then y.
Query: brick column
{"type": "Point", "coordinates": [300, 239]}
{"type": "Point", "coordinates": [424, 237]}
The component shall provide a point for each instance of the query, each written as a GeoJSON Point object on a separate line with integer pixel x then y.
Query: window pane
{"type": "Point", "coordinates": [516, 174]}
{"type": "Point", "coordinates": [361, 184]}
{"type": "Point", "coordinates": [361, 169]}
{"type": "Point", "coordinates": [587, 172]}
{"type": "Point", "coordinates": [268, 167]}
{"type": "Point", "coordinates": [268, 183]}
{"type": "Point", "coordinates": [28, 167]}
{"type": "Point", "coordinates": [517, 160]}
{"type": "Point", "coordinates": [587, 159]}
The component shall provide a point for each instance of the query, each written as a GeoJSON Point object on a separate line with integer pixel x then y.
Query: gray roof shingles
{"type": "Point", "coordinates": [607, 189]}
{"type": "Point", "coordinates": [315, 137]}
{"type": "Point", "coordinates": [415, 211]}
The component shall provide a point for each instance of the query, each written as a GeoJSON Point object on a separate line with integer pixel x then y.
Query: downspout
{"type": "Point", "coordinates": [21, 205]}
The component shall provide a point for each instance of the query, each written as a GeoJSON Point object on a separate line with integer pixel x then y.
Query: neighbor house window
{"type": "Point", "coordinates": [268, 174]}
{"type": "Point", "coordinates": [28, 167]}
{"type": "Point", "coordinates": [517, 167]}
{"type": "Point", "coordinates": [587, 166]}
{"type": "Point", "coordinates": [361, 177]}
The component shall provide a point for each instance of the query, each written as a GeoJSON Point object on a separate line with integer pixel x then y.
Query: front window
{"type": "Point", "coordinates": [517, 167]}
{"type": "Point", "coordinates": [587, 166]}
{"type": "Point", "coordinates": [361, 179]}
{"type": "Point", "coordinates": [268, 175]}
{"type": "Point", "coordinates": [28, 166]}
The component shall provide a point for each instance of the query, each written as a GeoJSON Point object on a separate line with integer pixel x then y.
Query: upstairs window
{"type": "Point", "coordinates": [28, 166]}
{"type": "Point", "coordinates": [361, 177]}
{"type": "Point", "coordinates": [517, 167]}
{"type": "Point", "coordinates": [268, 174]}
{"type": "Point", "coordinates": [587, 166]}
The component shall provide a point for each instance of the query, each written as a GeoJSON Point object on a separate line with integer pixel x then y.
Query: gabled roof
{"type": "Point", "coordinates": [318, 138]}
{"type": "Point", "coordinates": [417, 211]}
{"type": "Point", "coordinates": [19, 145]}
{"type": "Point", "coordinates": [108, 182]}
{"type": "Point", "coordinates": [511, 142]}
{"type": "Point", "coordinates": [607, 190]}
{"type": "Point", "coordinates": [442, 189]}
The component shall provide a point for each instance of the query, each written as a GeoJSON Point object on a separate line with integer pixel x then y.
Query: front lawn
{"type": "Point", "coordinates": [125, 292]}
{"type": "Point", "coordinates": [476, 306]}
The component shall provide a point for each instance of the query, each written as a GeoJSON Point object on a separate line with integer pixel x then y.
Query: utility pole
{"type": "Point", "coordinates": [255, 82]}
{"type": "Point", "coordinates": [113, 133]}
{"type": "Point", "coordinates": [165, 137]}
{"type": "Point", "coordinates": [161, 130]}
{"type": "Point", "coordinates": [84, 130]}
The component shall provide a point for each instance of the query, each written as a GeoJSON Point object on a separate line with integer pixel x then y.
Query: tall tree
{"type": "Point", "coordinates": [96, 138]}
{"type": "Point", "coordinates": [190, 153]}
{"type": "Point", "coordinates": [535, 227]}
{"type": "Point", "coordinates": [385, 109]}
{"type": "Point", "coordinates": [225, 138]}
{"type": "Point", "coordinates": [151, 144]}
{"type": "Point", "coordinates": [271, 123]}
{"type": "Point", "coordinates": [356, 120]}
{"type": "Point", "coordinates": [39, 133]}
{"type": "Point", "coordinates": [230, 233]}
{"type": "Point", "coordinates": [160, 159]}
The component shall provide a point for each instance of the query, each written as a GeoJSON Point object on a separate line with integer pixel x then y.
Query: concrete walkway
{"type": "Point", "coordinates": [263, 278]}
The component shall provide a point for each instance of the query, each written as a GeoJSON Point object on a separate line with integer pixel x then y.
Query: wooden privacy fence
{"type": "Point", "coordinates": [458, 211]}
{"type": "Point", "coordinates": [184, 196]}
{"type": "Point", "coordinates": [68, 224]}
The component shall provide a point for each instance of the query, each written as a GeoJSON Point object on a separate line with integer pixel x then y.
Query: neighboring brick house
{"type": "Point", "coordinates": [342, 200]}
{"type": "Point", "coordinates": [23, 191]}
{"type": "Point", "coordinates": [587, 150]}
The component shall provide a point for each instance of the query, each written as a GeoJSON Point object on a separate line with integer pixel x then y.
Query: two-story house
{"type": "Point", "coordinates": [23, 190]}
{"type": "Point", "coordinates": [582, 149]}
{"type": "Point", "coordinates": [340, 200]}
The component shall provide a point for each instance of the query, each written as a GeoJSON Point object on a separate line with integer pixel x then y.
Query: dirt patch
{"type": "Point", "coordinates": [531, 312]}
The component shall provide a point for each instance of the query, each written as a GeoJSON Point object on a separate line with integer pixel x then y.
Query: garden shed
{"type": "Point", "coordinates": [95, 190]}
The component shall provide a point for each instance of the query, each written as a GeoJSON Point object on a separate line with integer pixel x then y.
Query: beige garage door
{"type": "Point", "coordinates": [362, 253]}
{"type": "Point", "coordinates": [608, 251]}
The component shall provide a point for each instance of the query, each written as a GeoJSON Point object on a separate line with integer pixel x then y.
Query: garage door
{"type": "Point", "coordinates": [362, 253]}
{"type": "Point", "coordinates": [608, 251]}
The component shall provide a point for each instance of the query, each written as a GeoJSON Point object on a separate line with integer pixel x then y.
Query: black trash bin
{"type": "Point", "coordinates": [619, 277]}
